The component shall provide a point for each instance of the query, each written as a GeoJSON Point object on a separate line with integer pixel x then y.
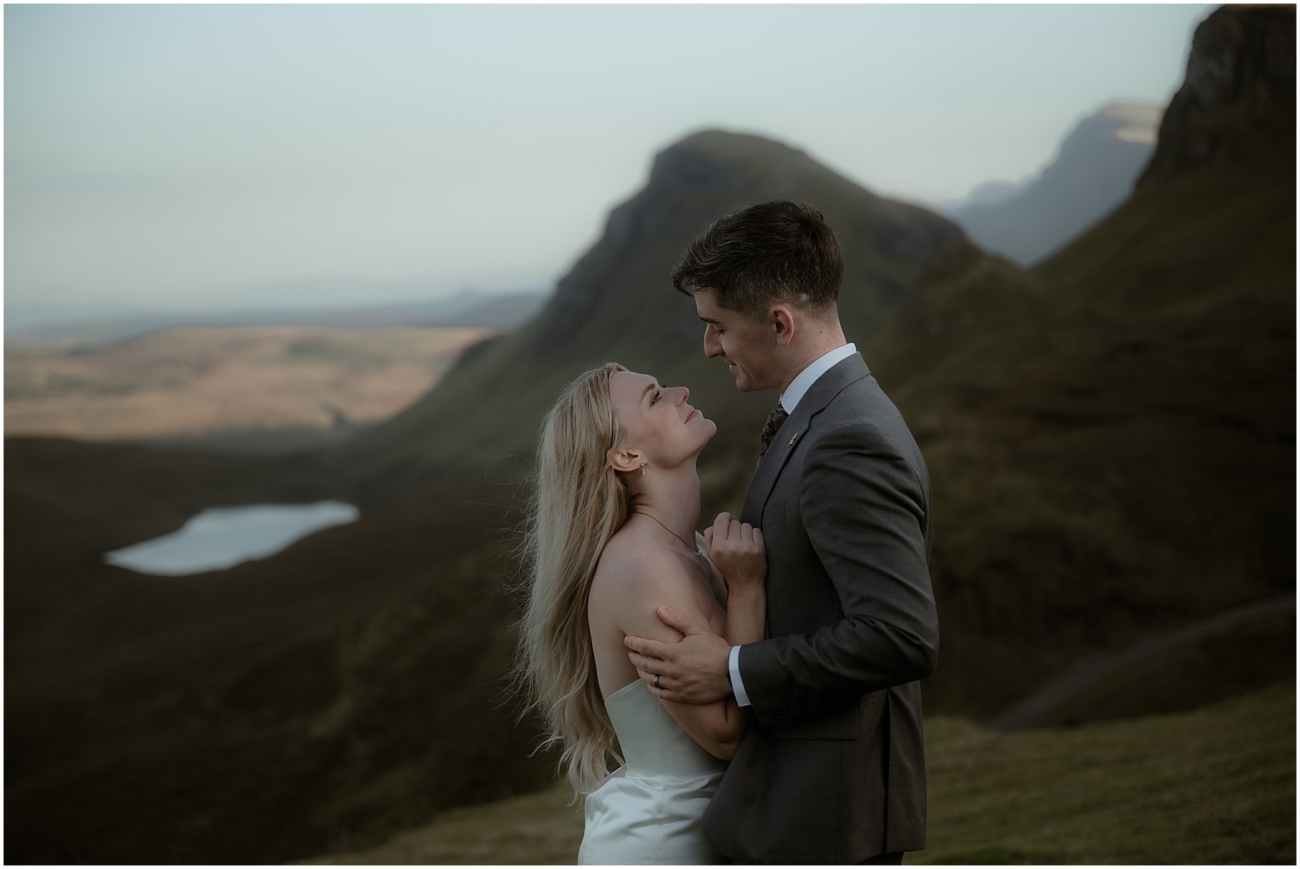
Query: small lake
{"type": "Point", "coordinates": [221, 537]}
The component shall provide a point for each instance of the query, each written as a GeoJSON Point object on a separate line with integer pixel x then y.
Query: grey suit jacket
{"type": "Point", "coordinates": [832, 766]}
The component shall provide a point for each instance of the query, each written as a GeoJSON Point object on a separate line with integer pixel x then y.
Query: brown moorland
{"type": "Point", "coordinates": [191, 381]}
{"type": "Point", "coordinates": [1111, 438]}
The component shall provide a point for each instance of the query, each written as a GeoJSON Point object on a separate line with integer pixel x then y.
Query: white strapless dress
{"type": "Point", "coordinates": [649, 810]}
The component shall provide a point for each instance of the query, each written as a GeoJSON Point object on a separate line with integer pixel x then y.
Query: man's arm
{"type": "Point", "coordinates": [700, 660]}
{"type": "Point", "coordinates": [863, 510]}
{"type": "Point", "coordinates": [633, 585]}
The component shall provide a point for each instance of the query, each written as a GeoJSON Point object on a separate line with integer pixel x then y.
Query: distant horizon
{"type": "Point", "coordinates": [36, 321]}
{"type": "Point", "coordinates": [209, 159]}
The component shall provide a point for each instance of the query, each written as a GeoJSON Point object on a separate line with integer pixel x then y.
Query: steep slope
{"type": "Point", "coordinates": [1116, 455]}
{"type": "Point", "coordinates": [352, 684]}
{"type": "Point", "coordinates": [617, 303]}
{"type": "Point", "coordinates": [1237, 102]}
{"type": "Point", "coordinates": [1111, 439]}
{"type": "Point", "coordinates": [1093, 172]}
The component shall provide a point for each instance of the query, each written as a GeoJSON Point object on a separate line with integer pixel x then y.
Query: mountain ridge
{"type": "Point", "coordinates": [501, 389]}
{"type": "Point", "coordinates": [1093, 171]}
{"type": "Point", "coordinates": [1111, 437]}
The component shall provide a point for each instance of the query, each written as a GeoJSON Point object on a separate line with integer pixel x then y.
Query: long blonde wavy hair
{"type": "Point", "coordinates": [577, 505]}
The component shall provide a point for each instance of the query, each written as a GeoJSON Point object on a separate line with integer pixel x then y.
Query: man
{"type": "Point", "coordinates": [832, 766]}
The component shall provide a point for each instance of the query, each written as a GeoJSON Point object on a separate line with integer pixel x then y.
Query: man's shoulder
{"type": "Point", "coordinates": [859, 408]}
{"type": "Point", "coordinates": [862, 419]}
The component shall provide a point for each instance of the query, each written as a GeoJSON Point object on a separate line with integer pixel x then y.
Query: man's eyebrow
{"type": "Point", "coordinates": [709, 320]}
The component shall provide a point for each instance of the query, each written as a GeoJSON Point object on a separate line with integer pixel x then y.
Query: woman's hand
{"type": "Point", "coordinates": [736, 549]}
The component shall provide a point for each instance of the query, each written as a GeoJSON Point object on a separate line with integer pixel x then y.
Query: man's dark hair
{"type": "Point", "coordinates": [777, 251]}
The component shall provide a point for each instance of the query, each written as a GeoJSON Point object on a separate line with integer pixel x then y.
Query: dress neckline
{"type": "Point", "coordinates": [624, 689]}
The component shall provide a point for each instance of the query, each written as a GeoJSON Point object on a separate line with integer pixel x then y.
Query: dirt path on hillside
{"type": "Point", "coordinates": [1091, 671]}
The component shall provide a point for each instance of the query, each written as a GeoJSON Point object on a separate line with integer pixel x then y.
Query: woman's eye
{"type": "Point", "coordinates": [656, 398]}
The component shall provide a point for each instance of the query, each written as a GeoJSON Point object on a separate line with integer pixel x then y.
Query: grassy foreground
{"type": "Point", "coordinates": [1216, 785]}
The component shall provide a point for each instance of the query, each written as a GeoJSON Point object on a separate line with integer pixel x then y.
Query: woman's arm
{"type": "Point", "coordinates": [736, 550]}
{"type": "Point", "coordinates": [738, 554]}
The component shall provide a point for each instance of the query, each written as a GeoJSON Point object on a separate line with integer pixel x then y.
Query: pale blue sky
{"type": "Point", "coordinates": [204, 157]}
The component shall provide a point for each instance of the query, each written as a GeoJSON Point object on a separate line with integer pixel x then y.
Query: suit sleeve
{"type": "Point", "coordinates": [863, 509]}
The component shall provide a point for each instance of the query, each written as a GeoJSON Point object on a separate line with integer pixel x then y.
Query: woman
{"type": "Point", "coordinates": [612, 537]}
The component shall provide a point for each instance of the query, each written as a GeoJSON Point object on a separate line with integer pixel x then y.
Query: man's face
{"type": "Point", "coordinates": [747, 346]}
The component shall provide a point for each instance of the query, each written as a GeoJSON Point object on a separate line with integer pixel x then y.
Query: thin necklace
{"type": "Point", "coordinates": [695, 549]}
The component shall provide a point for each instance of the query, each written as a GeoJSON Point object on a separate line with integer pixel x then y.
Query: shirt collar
{"type": "Point", "coordinates": [804, 380]}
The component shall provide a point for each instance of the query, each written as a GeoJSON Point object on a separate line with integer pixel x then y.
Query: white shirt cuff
{"type": "Point", "coordinates": [737, 686]}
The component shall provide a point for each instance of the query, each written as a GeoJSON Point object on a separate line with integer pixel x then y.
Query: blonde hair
{"type": "Point", "coordinates": [578, 503]}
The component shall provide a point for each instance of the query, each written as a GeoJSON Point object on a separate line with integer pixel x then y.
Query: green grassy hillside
{"type": "Point", "coordinates": [352, 684]}
{"type": "Point", "coordinates": [1113, 433]}
{"type": "Point", "coordinates": [344, 688]}
{"type": "Point", "coordinates": [1212, 786]}
{"type": "Point", "coordinates": [618, 304]}
{"type": "Point", "coordinates": [1110, 437]}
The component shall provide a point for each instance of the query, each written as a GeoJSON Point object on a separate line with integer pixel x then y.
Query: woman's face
{"type": "Point", "coordinates": [656, 420]}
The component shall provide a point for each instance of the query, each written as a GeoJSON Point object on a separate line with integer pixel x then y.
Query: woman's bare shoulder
{"type": "Point", "coordinates": [640, 565]}
{"type": "Point", "coordinates": [633, 579]}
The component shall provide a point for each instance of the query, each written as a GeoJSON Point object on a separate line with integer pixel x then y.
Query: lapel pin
{"type": "Point", "coordinates": [793, 439]}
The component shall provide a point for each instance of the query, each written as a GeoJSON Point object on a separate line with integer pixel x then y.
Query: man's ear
{"type": "Point", "coordinates": [625, 460]}
{"type": "Point", "coordinates": [782, 323]}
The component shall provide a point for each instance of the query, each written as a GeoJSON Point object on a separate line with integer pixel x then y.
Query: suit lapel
{"type": "Point", "coordinates": [792, 432]}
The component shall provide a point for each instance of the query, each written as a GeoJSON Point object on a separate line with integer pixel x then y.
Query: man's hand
{"type": "Point", "coordinates": [693, 670]}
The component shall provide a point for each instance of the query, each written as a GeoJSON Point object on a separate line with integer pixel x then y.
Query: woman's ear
{"type": "Point", "coordinates": [625, 460]}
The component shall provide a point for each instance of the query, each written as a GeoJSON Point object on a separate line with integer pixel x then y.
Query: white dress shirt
{"type": "Point", "coordinates": [790, 399]}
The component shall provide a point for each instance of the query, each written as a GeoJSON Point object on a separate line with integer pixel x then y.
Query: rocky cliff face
{"type": "Point", "coordinates": [1238, 95]}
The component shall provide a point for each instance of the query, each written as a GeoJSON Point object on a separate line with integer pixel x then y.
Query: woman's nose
{"type": "Point", "coordinates": [686, 393]}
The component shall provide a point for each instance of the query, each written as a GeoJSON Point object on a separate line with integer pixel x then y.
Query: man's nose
{"type": "Point", "coordinates": [711, 346]}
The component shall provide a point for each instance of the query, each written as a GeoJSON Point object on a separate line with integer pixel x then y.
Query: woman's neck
{"type": "Point", "coordinates": [672, 498]}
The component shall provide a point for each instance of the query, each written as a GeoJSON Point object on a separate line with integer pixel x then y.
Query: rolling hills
{"type": "Point", "coordinates": [1110, 435]}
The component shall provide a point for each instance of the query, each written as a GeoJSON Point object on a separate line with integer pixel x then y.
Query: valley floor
{"type": "Point", "coordinates": [1216, 785]}
{"type": "Point", "coordinates": [192, 383]}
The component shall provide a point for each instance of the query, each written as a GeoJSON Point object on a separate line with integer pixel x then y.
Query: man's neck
{"type": "Point", "coordinates": [813, 351]}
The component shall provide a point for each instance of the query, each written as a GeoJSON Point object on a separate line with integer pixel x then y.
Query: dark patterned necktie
{"type": "Point", "coordinates": [773, 424]}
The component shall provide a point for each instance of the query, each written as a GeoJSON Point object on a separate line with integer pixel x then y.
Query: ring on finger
{"type": "Point", "coordinates": [656, 680]}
